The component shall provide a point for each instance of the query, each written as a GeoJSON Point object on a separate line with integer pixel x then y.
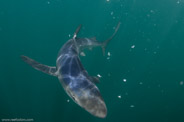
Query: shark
{"type": "Point", "coordinates": [77, 83]}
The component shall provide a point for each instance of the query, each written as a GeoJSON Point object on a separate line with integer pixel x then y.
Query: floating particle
{"type": "Point", "coordinates": [178, 2]}
{"type": "Point", "coordinates": [109, 54]}
{"type": "Point", "coordinates": [162, 91]}
{"type": "Point", "coordinates": [119, 96]}
{"type": "Point", "coordinates": [141, 83]}
{"type": "Point", "coordinates": [99, 75]}
{"type": "Point", "coordinates": [108, 58]}
{"type": "Point", "coordinates": [132, 106]}
{"type": "Point", "coordinates": [152, 11]}
{"type": "Point", "coordinates": [107, 0]}
{"type": "Point", "coordinates": [69, 35]}
{"type": "Point", "coordinates": [124, 80]}
{"type": "Point", "coordinates": [82, 54]}
{"type": "Point", "coordinates": [112, 13]}
{"type": "Point", "coordinates": [68, 100]}
{"type": "Point", "coordinates": [133, 46]}
{"type": "Point", "coordinates": [48, 2]}
{"type": "Point", "coordinates": [181, 83]}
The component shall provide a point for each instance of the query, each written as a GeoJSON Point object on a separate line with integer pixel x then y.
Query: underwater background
{"type": "Point", "coordinates": [142, 73]}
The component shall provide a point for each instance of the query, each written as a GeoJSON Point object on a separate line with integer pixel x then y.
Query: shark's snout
{"type": "Point", "coordinates": [100, 110]}
{"type": "Point", "coordinates": [95, 105]}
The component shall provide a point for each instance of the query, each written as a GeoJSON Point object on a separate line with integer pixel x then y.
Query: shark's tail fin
{"type": "Point", "coordinates": [44, 68]}
{"type": "Point", "coordinates": [104, 44]}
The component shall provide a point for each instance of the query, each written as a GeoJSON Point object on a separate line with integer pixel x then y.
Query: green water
{"type": "Point", "coordinates": [142, 79]}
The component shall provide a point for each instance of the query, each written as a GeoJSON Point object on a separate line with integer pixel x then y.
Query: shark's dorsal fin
{"type": "Point", "coordinates": [41, 67]}
{"type": "Point", "coordinates": [77, 31]}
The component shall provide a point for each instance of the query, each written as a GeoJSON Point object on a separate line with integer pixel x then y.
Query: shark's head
{"type": "Point", "coordinates": [82, 89]}
{"type": "Point", "coordinates": [90, 100]}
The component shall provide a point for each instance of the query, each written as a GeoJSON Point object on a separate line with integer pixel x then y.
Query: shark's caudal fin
{"type": "Point", "coordinates": [44, 68]}
{"type": "Point", "coordinates": [104, 44]}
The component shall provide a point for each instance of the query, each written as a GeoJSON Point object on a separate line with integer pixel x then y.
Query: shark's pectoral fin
{"type": "Point", "coordinates": [94, 79]}
{"type": "Point", "coordinates": [44, 68]}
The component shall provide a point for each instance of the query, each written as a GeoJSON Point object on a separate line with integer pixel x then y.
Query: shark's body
{"type": "Point", "coordinates": [72, 75]}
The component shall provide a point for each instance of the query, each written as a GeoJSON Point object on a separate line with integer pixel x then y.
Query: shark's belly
{"type": "Point", "coordinates": [77, 84]}
{"type": "Point", "coordinates": [69, 67]}
{"type": "Point", "coordinates": [79, 87]}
